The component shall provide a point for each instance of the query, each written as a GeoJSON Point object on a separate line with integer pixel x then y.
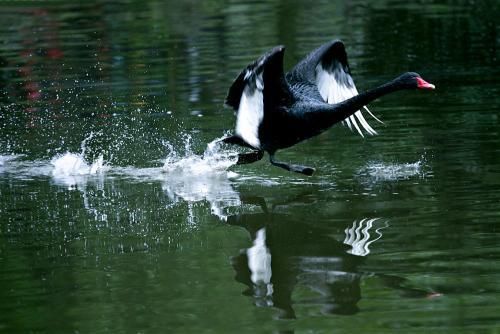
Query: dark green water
{"type": "Point", "coordinates": [116, 218]}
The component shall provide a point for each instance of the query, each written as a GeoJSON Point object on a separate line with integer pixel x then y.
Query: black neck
{"type": "Point", "coordinates": [350, 106]}
{"type": "Point", "coordinates": [321, 116]}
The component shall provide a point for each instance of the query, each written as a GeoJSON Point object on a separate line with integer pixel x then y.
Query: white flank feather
{"type": "Point", "coordinates": [333, 92]}
{"type": "Point", "coordinates": [251, 112]}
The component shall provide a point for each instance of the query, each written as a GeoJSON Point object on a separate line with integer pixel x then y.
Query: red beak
{"type": "Point", "coordinates": [422, 84]}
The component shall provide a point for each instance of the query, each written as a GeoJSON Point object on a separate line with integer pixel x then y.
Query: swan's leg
{"type": "Point", "coordinates": [292, 168]}
{"type": "Point", "coordinates": [235, 140]}
{"type": "Point", "coordinates": [248, 158]}
{"type": "Point", "coordinates": [244, 158]}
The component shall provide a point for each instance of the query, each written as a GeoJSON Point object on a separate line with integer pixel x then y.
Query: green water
{"type": "Point", "coordinates": [115, 217]}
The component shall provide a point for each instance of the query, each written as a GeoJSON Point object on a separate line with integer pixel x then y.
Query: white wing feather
{"type": "Point", "coordinates": [251, 111]}
{"type": "Point", "coordinates": [333, 92]}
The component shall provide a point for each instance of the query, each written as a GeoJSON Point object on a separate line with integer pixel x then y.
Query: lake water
{"type": "Point", "coordinates": [119, 213]}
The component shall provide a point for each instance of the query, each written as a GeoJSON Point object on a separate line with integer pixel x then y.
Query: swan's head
{"type": "Point", "coordinates": [412, 80]}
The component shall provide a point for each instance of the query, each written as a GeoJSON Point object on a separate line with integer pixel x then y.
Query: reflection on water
{"type": "Point", "coordinates": [293, 264]}
{"type": "Point", "coordinates": [215, 189]}
{"type": "Point", "coordinates": [287, 253]}
{"type": "Point", "coordinates": [359, 238]}
{"type": "Point", "coordinates": [259, 264]}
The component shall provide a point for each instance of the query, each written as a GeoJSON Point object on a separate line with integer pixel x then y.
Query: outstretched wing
{"type": "Point", "coordinates": [263, 80]}
{"type": "Point", "coordinates": [327, 67]}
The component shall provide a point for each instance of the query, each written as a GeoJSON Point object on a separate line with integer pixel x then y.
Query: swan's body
{"type": "Point", "coordinates": [276, 111]}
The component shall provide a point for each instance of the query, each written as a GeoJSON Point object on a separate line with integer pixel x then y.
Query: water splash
{"type": "Point", "coordinates": [70, 169]}
{"type": "Point", "coordinates": [390, 172]}
{"type": "Point", "coordinates": [214, 160]}
{"type": "Point", "coordinates": [72, 164]}
{"type": "Point", "coordinates": [184, 175]}
{"type": "Point", "coordinates": [195, 178]}
{"type": "Point", "coordinates": [381, 171]}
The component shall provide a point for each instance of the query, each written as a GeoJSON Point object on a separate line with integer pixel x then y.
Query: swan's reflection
{"type": "Point", "coordinates": [259, 264]}
{"type": "Point", "coordinates": [288, 253]}
{"type": "Point", "coordinates": [214, 189]}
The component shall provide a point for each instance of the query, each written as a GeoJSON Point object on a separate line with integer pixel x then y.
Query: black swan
{"type": "Point", "coordinates": [275, 111]}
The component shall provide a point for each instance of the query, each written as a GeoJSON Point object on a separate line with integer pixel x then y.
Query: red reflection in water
{"type": "Point", "coordinates": [39, 50]}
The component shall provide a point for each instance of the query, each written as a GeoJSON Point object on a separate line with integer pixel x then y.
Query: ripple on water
{"type": "Point", "coordinates": [382, 171]}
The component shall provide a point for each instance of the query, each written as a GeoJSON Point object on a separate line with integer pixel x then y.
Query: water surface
{"type": "Point", "coordinates": [119, 213]}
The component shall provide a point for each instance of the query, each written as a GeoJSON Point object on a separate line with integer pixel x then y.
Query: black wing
{"type": "Point", "coordinates": [256, 91]}
{"type": "Point", "coordinates": [327, 67]}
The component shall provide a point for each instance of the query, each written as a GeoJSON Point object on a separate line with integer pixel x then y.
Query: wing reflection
{"type": "Point", "coordinates": [359, 238]}
{"type": "Point", "coordinates": [259, 264]}
{"type": "Point", "coordinates": [287, 254]}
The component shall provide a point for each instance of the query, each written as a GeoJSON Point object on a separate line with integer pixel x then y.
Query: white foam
{"type": "Point", "coordinates": [70, 169]}
{"type": "Point", "coordinates": [72, 164]}
{"type": "Point", "coordinates": [5, 159]}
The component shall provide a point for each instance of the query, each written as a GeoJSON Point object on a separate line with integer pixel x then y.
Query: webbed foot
{"type": "Point", "coordinates": [292, 168]}
{"type": "Point", "coordinates": [248, 158]}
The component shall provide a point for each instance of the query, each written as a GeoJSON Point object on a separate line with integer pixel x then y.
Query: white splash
{"type": "Point", "coordinates": [380, 171]}
{"type": "Point", "coordinates": [72, 164]}
{"type": "Point", "coordinates": [71, 168]}
{"type": "Point", "coordinates": [196, 178]}
{"type": "Point", "coordinates": [213, 161]}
